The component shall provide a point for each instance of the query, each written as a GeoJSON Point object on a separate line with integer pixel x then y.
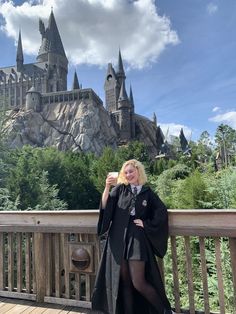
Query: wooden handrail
{"type": "Point", "coordinates": [181, 222]}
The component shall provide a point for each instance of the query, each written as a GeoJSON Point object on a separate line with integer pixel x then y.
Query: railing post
{"type": "Point", "coordinates": [232, 245]}
{"type": "Point", "coordinates": [40, 271]}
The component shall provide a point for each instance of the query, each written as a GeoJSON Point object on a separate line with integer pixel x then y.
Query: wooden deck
{"type": "Point", "coordinates": [14, 306]}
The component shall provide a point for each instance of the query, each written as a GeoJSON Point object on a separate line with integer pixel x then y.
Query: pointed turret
{"type": "Point", "coordinates": [183, 140]}
{"type": "Point", "coordinates": [131, 98]}
{"type": "Point", "coordinates": [123, 100]}
{"type": "Point", "coordinates": [120, 70]}
{"type": "Point", "coordinates": [75, 82]}
{"type": "Point", "coordinates": [154, 119]}
{"type": "Point", "coordinates": [159, 139]}
{"type": "Point", "coordinates": [51, 39]}
{"type": "Point", "coordinates": [19, 55]}
{"type": "Point", "coordinates": [132, 118]}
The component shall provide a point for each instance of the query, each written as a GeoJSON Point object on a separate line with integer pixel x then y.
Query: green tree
{"type": "Point", "coordinates": [225, 138]}
{"type": "Point", "coordinates": [48, 196]}
{"type": "Point", "coordinates": [222, 188]}
{"type": "Point", "coordinates": [107, 162]}
{"type": "Point", "coordinates": [6, 202]}
{"type": "Point", "coordinates": [69, 171]}
{"type": "Point", "coordinates": [192, 192]}
{"type": "Point", "coordinates": [165, 183]}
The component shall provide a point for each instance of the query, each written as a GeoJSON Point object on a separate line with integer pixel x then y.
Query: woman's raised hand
{"type": "Point", "coordinates": [111, 179]}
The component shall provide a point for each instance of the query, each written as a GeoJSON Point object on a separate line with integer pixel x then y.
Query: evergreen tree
{"type": "Point", "coordinates": [225, 138]}
{"type": "Point", "coordinates": [48, 196]}
{"type": "Point", "coordinates": [5, 200]}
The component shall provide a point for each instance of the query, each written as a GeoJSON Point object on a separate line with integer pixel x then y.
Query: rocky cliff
{"type": "Point", "coordinates": [78, 126]}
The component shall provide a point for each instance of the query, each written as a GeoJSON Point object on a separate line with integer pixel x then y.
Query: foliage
{"type": "Point", "coordinates": [5, 200]}
{"type": "Point", "coordinates": [191, 193]}
{"type": "Point", "coordinates": [225, 138]}
{"type": "Point", "coordinates": [48, 196]}
{"type": "Point", "coordinates": [69, 171]}
{"type": "Point", "coordinates": [100, 168]}
{"type": "Point", "coordinates": [159, 165]}
{"type": "Point", "coordinates": [196, 270]}
{"type": "Point", "coordinates": [165, 182]}
{"type": "Point", "coordinates": [222, 188]}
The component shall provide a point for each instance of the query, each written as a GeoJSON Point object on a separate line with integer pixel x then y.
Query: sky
{"type": "Point", "coordinates": [179, 55]}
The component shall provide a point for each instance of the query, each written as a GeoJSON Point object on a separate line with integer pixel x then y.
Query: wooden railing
{"type": "Point", "coordinates": [53, 257]}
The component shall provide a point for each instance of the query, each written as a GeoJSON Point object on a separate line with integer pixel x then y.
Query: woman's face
{"type": "Point", "coordinates": [131, 174]}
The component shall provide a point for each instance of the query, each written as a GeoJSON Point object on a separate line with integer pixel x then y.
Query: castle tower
{"type": "Point", "coordinates": [19, 55]}
{"type": "Point", "coordinates": [112, 89]}
{"type": "Point", "coordinates": [113, 84]}
{"type": "Point", "coordinates": [33, 100]}
{"type": "Point", "coordinates": [53, 54]}
{"type": "Point", "coordinates": [125, 115]}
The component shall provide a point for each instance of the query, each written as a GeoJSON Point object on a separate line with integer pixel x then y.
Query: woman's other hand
{"type": "Point", "coordinates": [138, 222]}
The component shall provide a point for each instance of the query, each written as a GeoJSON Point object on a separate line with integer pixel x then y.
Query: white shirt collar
{"type": "Point", "coordinates": [139, 187]}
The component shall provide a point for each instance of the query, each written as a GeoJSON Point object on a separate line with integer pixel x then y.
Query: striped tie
{"type": "Point", "coordinates": [133, 200]}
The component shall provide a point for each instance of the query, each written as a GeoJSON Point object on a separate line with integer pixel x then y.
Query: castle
{"type": "Point", "coordinates": [34, 86]}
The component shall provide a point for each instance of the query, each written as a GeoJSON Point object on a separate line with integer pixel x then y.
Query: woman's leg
{"type": "Point", "coordinates": [127, 288]}
{"type": "Point", "coordinates": [137, 273]}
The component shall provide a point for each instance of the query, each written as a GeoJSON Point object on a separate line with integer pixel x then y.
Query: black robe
{"type": "Point", "coordinates": [114, 220]}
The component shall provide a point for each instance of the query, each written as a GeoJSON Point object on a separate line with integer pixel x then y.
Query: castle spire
{"type": "Point", "coordinates": [120, 70]}
{"type": "Point", "coordinates": [183, 140]}
{"type": "Point", "coordinates": [131, 98]}
{"type": "Point", "coordinates": [19, 54]}
{"type": "Point", "coordinates": [123, 94]}
{"type": "Point", "coordinates": [123, 100]}
{"type": "Point", "coordinates": [154, 119]}
{"type": "Point", "coordinates": [75, 82]}
{"type": "Point", "coordinates": [51, 39]}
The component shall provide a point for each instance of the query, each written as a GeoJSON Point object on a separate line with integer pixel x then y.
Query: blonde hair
{"type": "Point", "coordinates": [142, 178]}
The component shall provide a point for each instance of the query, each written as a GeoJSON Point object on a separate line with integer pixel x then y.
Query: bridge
{"type": "Point", "coordinates": [48, 261]}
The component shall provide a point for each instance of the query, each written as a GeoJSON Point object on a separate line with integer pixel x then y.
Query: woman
{"type": "Point", "coordinates": [136, 221]}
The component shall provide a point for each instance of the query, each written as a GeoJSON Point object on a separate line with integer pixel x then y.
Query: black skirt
{"type": "Point", "coordinates": [135, 243]}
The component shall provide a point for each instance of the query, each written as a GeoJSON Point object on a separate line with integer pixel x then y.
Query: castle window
{"type": "Point", "coordinates": [75, 96]}
{"type": "Point", "coordinates": [117, 118]}
{"type": "Point", "coordinates": [66, 97]}
{"type": "Point", "coordinates": [70, 97]}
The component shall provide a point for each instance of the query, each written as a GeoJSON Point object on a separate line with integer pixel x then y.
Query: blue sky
{"type": "Point", "coordinates": [179, 55]}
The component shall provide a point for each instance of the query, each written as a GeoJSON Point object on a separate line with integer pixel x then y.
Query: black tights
{"type": "Point", "coordinates": [133, 276]}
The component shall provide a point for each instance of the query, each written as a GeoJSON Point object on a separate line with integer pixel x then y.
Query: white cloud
{"type": "Point", "coordinates": [212, 8]}
{"type": "Point", "coordinates": [215, 109]}
{"type": "Point", "coordinates": [226, 118]}
{"type": "Point", "coordinates": [93, 30]}
{"type": "Point", "coordinates": [169, 129]}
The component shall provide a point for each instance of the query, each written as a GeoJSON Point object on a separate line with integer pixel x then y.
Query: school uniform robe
{"type": "Point", "coordinates": [114, 220]}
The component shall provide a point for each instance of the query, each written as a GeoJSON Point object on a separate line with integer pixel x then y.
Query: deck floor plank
{"type": "Point", "coordinates": [17, 306]}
